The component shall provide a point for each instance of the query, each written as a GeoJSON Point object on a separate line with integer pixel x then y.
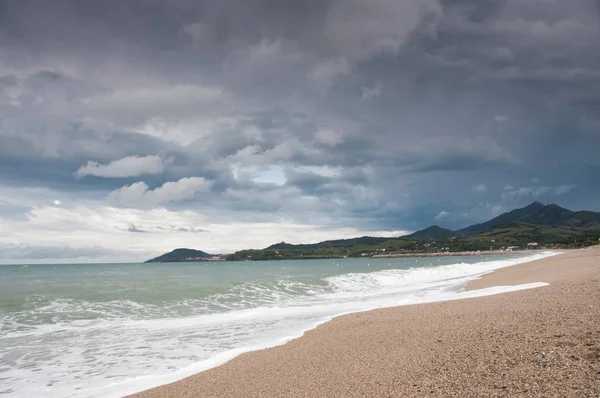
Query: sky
{"type": "Point", "coordinates": [130, 128]}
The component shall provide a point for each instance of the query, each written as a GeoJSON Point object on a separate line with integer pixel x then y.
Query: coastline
{"type": "Point", "coordinates": [549, 270]}
{"type": "Point", "coordinates": [458, 254]}
{"type": "Point", "coordinates": [379, 353]}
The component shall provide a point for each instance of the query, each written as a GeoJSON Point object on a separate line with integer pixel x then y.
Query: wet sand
{"type": "Point", "coordinates": [530, 343]}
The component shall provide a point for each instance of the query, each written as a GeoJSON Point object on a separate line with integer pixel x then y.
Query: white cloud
{"type": "Point", "coordinates": [50, 227]}
{"type": "Point", "coordinates": [443, 215]}
{"type": "Point", "coordinates": [479, 188]}
{"type": "Point", "coordinates": [184, 131]}
{"type": "Point", "coordinates": [138, 194]}
{"type": "Point", "coordinates": [56, 202]}
{"type": "Point", "coordinates": [256, 155]}
{"type": "Point", "coordinates": [500, 119]}
{"type": "Point", "coordinates": [260, 174]}
{"type": "Point", "coordinates": [131, 166]}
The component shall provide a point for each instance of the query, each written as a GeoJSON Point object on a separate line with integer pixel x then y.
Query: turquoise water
{"type": "Point", "coordinates": [109, 329]}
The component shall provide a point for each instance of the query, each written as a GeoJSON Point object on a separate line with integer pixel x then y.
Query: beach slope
{"type": "Point", "coordinates": [537, 342]}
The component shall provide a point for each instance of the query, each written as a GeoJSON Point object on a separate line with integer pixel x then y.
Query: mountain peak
{"type": "Point", "coordinates": [536, 213]}
{"type": "Point", "coordinates": [433, 232]}
{"type": "Point", "coordinates": [537, 203]}
{"type": "Point", "coordinates": [434, 227]}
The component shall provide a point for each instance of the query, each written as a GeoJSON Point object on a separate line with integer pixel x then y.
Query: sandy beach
{"type": "Point", "coordinates": [536, 342]}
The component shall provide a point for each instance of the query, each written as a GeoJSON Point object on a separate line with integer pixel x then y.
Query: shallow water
{"type": "Point", "coordinates": [99, 330]}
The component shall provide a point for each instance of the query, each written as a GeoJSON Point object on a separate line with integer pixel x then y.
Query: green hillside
{"type": "Point", "coordinates": [546, 225]}
{"type": "Point", "coordinates": [364, 240]}
{"type": "Point", "coordinates": [179, 255]}
{"type": "Point", "coordinates": [538, 214]}
{"type": "Point", "coordinates": [432, 233]}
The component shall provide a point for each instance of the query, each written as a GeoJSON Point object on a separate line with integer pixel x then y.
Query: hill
{"type": "Point", "coordinates": [550, 225]}
{"type": "Point", "coordinates": [179, 255]}
{"type": "Point", "coordinates": [434, 232]}
{"type": "Point", "coordinates": [538, 214]}
{"type": "Point", "coordinates": [363, 240]}
{"type": "Point", "coordinates": [544, 224]}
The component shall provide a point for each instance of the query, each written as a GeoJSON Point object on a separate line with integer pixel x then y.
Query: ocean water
{"type": "Point", "coordinates": [103, 330]}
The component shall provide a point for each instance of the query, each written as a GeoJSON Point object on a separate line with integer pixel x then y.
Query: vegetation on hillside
{"type": "Point", "coordinates": [179, 255]}
{"type": "Point", "coordinates": [549, 226]}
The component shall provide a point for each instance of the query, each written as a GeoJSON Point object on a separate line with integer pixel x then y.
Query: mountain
{"type": "Point", "coordinates": [434, 232]}
{"type": "Point", "coordinates": [549, 225]}
{"type": "Point", "coordinates": [179, 255]}
{"type": "Point", "coordinates": [363, 240]}
{"type": "Point", "coordinates": [327, 249]}
{"type": "Point", "coordinates": [545, 224]}
{"type": "Point", "coordinates": [537, 214]}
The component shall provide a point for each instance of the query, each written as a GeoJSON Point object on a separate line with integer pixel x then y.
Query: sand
{"type": "Point", "coordinates": [530, 343]}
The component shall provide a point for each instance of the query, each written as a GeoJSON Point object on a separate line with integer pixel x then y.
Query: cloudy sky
{"type": "Point", "coordinates": [129, 128]}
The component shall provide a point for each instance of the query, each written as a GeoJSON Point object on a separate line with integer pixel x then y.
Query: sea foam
{"type": "Point", "coordinates": [81, 348]}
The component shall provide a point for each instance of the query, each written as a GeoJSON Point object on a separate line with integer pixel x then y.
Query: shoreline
{"type": "Point", "coordinates": [534, 270]}
{"type": "Point", "coordinates": [299, 354]}
{"type": "Point", "coordinates": [381, 255]}
{"type": "Point", "coordinates": [224, 357]}
{"type": "Point", "coordinates": [461, 254]}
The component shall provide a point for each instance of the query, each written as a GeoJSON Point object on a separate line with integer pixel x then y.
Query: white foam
{"type": "Point", "coordinates": [116, 355]}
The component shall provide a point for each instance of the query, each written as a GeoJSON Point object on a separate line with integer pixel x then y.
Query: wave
{"type": "Point", "coordinates": [418, 276]}
{"type": "Point", "coordinates": [122, 346]}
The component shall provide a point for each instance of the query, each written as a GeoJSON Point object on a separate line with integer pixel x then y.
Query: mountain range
{"type": "Point", "coordinates": [540, 223]}
{"type": "Point", "coordinates": [536, 215]}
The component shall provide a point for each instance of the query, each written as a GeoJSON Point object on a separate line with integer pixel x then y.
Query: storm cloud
{"type": "Point", "coordinates": [306, 119]}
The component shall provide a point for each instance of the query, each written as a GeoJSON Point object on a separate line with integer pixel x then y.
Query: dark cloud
{"type": "Point", "coordinates": [382, 114]}
{"type": "Point", "coordinates": [134, 228]}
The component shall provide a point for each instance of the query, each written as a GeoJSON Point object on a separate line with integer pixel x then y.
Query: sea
{"type": "Point", "coordinates": [106, 330]}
